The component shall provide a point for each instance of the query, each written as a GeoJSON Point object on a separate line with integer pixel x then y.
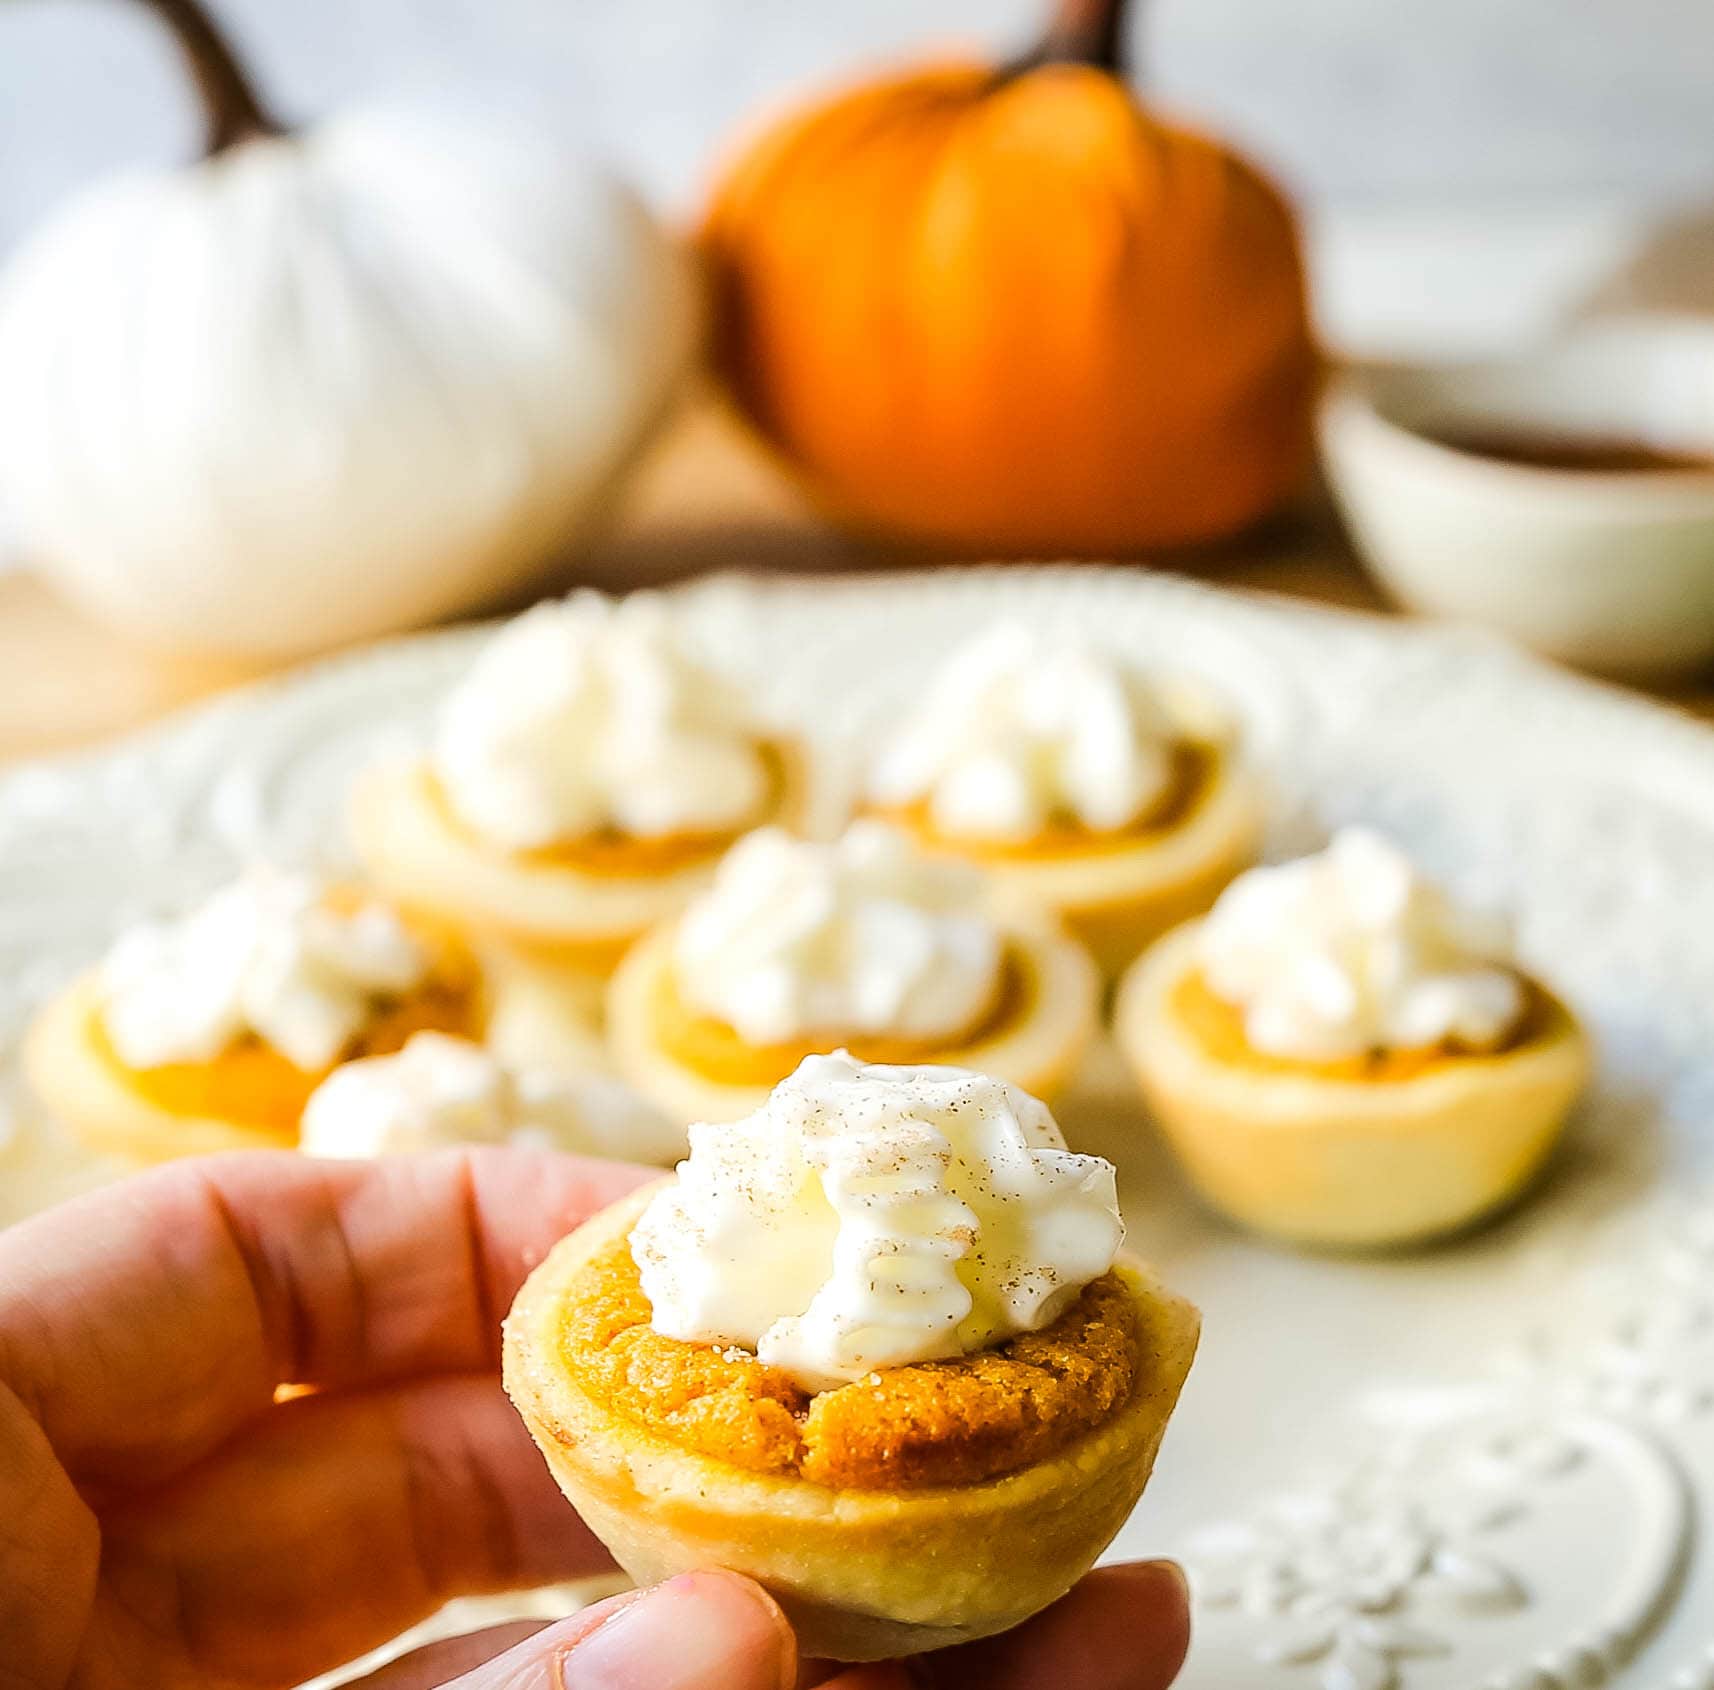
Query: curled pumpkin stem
{"type": "Point", "coordinates": [229, 101]}
{"type": "Point", "coordinates": [1083, 32]}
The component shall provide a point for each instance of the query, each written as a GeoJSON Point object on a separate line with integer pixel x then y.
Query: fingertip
{"type": "Point", "coordinates": [1157, 1595]}
{"type": "Point", "coordinates": [779, 1640]}
{"type": "Point", "coordinates": [1124, 1627]}
{"type": "Point", "coordinates": [697, 1630]}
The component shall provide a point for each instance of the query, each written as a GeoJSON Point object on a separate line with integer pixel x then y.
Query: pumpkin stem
{"type": "Point", "coordinates": [1083, 32]}
{"type": "Point", "coordinates": [233, 111]}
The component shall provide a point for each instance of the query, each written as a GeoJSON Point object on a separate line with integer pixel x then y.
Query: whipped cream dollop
{"type": "Point", "coordinates": [1022, 730]}
{"type": "Point", "coordinates": [1354, 950]}
{"type": "Point", "coordinates": [587, 714]}
{"type": "Point", "coordinates": [869, 1217]}
{"type": "Point", "coordinates": [862, 935]}
{"type": "Point", "coordinates": [439, 1090]}
{"type": "Point", "coordinates": [268, 955]}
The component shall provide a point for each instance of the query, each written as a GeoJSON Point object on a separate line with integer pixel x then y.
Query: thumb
{"type": "Point", "coordinates": [700, 1631]}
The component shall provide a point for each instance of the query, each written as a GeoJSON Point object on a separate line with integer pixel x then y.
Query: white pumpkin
{"type": "Point", "coordinates": [323, 385]}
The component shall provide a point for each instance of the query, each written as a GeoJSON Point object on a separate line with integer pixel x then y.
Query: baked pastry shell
{"type": "Point", "coordinates": [1119, 896]}
{"type": "Point", "coordinates": [1038, 1052]}
{"type": "Point", "coordinates": [413, 850]}
{"type": "Point", "coordinates": [1346, 1163]}
{"type": "Point", "coordinates": [75, 1080]}
{"type": "Point", "coordinates": [527, 1014]}
{"type": "Point", "coordinates": [862, 1575]}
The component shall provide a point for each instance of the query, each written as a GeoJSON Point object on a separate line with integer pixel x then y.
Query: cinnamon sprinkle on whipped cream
{"type": "Point", "coordinates": [869, 1217]}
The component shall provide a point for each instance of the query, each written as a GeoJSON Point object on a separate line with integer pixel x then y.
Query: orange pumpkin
{"type": "Point", "coordinates": [1012, 311]}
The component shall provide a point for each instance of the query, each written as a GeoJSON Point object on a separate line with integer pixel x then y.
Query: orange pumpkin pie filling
{"type": "Point", "coordinates": [614, 854]}
{"type": "Point", "coordinates": [715, 1051]}
{"type": "Point", "coordinates": [1218, 1027]}
{"type": "Point", "coordinates": [253, 1085]}
{"type": "Point", "coordinates": [956, 1421]}
{"type": "Point", "coordinates": [1196, 769]}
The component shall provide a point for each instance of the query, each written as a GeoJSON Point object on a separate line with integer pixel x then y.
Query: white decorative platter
{"type": "Point", "coordinates": [1485, 1465]}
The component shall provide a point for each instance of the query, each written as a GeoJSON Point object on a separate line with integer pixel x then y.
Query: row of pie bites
{"type": "Point", "coordinates": [589, 774]}
{"type": "Point", "coordinates": [1337, 1053]}
{"type": "Point", "coordinates": [582, 786]}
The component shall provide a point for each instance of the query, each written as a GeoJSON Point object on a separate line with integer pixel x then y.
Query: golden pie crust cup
{"type": "Point", "coordinates": [523, 1012]}
{"type": "Point", "coordinates": [81, 1085]}
{"type": "Point", "coordinates": [1117, 893]}
{"type": "Point", "coordinates": [862, 1574]}
{"type": "Point", "coordinates": [1037, 1046]}
{"type": "Point", "coordinates": [582, 914]}
{"type": "Point", "coordinates": [1347, 1162]}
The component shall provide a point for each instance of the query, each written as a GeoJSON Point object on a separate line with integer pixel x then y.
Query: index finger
{"type": "Point", "coordinates": [142, 1324]}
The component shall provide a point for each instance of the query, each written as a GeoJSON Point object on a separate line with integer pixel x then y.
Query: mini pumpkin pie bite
{"type": "Point", "coordinates": [875, 1346]}
{"type": "Point", "coordinates": [800, 947]}
{"type": "Point", "coordinates": [442, 1090]}
{"type": "Point", "coordinates": [584, 779]}
{"type": "Point", "coordinates": [1341, 1056]}
{"type": "Point", "coordinates": [1121, 802]}
{"type": "Point", "coordinates": [210, 1032]}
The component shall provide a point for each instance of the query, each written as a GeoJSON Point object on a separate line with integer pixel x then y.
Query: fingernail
{"type": "Point", "coordinates": [1169, 1573]}
{"type": "Point", "coordinates": [693, 1631]}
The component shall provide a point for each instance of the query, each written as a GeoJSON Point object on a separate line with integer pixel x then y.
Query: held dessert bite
{"type": "Point", "coordinates": [1341, 1055]}
{"type": "Point", "coordinates": [584, 778]}
{"type": "Point", "coordinates": [875, 1346]}
{"type": "Point", "coordinates": [864, 941]}
{"type": "Point", "coordinates": [1118, 801]}
{"type": "Point", "coordinates": [440, 1090]}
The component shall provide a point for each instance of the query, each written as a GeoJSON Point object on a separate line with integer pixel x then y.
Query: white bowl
{"type": "Point", "coordinates": [1609, 569]}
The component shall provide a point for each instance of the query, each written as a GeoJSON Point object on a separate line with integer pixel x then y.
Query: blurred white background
{"type": "Point", "coordinates": [1470, 167]}
{"type": "Point", "coordinates": [1354, 102]}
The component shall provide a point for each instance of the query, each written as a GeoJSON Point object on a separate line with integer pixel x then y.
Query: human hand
{"type": "Point", "coordinates": [166, 1520]}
